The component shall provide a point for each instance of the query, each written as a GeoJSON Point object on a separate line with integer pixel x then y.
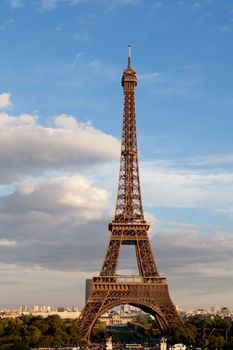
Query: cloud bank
{"type": "Point", "coordinates": [29, 148]}
{"type": "Point", "coordinates": [5, 101]}
{"type": "Point", "coordinates": [55, 203]}
{"type": "Point", "coordinates": [174, 187]}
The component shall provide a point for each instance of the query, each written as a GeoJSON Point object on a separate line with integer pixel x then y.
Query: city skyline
{"type": "Point", "coordinates": [214, 309]}
{"type": "Point", "coordinates": [60, 120]}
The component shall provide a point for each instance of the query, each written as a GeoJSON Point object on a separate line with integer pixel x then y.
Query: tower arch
{"type": "Point", "coordinates": [153, 310]}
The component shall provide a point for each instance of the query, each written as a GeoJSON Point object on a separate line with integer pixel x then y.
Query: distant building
{"type": "Point", "coordinates": [89, 284]}
{"type": "Point", "coordinates": [45, 308]}
{"type": "Point", "coordinates": [225, 311]}
{"type": "Point", "coordinates": [215, 310]}
{"type": "Point", "coordinates": [178, 347]}
{"type": "Point", "coordinates": [24, 308]}
{"type": "Point", "coordinates": [60, 309]}
{"type": "Point", "coordinates": [163, 344]}
{"type": "Point", "coordinates": [109, 344]}
{"type": "Point", "coordinates": [35, 308]}
{"type": "Point", "coordinates": [125, 308]}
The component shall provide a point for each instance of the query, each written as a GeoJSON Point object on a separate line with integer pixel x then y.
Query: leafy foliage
{"type": "Point", "coordinates": [228, 346]}
{"type": "Point", "coordinates": [98, 330]}
{"type": "Point", "coordinates": [211, 333]}
{"type": "Point", "coordinates": [145, 327]}
{"type": "Point", "coordinates": [25, 332]}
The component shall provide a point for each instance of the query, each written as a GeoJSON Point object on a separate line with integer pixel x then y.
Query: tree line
{"type": "Point", "coordinates": [196, 332]}
{"type": "Point", "coordinates": [26, 332]}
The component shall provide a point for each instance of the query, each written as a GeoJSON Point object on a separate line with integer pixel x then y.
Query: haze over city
{"type": "Point", "coordinates": [61, 105]}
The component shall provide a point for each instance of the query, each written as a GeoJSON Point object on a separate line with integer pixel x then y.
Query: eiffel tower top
{"type": "Point", "coordinates": [129, 201]}
{"type": "Point", "coordinates": [129, 75]}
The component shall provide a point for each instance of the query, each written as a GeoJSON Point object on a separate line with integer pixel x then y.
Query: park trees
{"type": "Point", "coordinates": [29, 331]}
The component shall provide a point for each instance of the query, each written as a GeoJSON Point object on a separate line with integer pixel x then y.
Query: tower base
{"type": "Point", "coordinates": [148, 293]}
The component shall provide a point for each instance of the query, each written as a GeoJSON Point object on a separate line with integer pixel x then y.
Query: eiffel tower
{"type": "Point", "coordinates": [148, 290]}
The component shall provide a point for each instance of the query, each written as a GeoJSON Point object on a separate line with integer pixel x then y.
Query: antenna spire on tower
{"type": "Point", "coordinates": [129, 56]}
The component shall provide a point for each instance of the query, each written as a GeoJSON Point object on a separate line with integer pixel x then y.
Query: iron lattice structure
{"type": "Point", "coordinates": [148, 290]}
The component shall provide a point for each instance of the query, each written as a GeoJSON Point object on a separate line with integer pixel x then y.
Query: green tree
{"type": "Point", "coordinates": [34, 335]}
{"type": "Point", "coordinates": [37, 332]}
{"type": "Point", "coordinates": [215, 342]}
{"type": "Point", "coordinates": [73, 332]}
{"type": "Point", "coordinates": [1, 328]}
{"type": "Point", "coordinates": [41, 324]}
{"type": "Point", "coordinates": [55, 322]}
{"type": "Point", "coordinates": [45, 341]}
{"type": "Point", "coordinates": [19, 346]}
{"type": "Point", "coordinates": [185, 334]}
{"type": "Point", "coordinates": [228, 346]}
{"type": "Point", "coordinates": [99, 329]}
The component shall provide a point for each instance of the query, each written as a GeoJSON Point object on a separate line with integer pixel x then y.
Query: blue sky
{"type": "Point", "coordinates": [60, 115]}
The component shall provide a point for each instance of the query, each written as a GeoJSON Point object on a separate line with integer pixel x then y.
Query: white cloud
{"type": "Point", "coordinates": [7, 243]}
{"type": "Point", "coordinates": [228, 211]}
{"type": "Point", "coordinates": [125, 2]}
{"type": "Point", "coordinates": [49, 4]}
{"type": "Point", "coordinates": [181, 225]}
{"type": "Point", "coordinates": [225, 28]}
{"type": "Point", "coordinates": [28, 148]}
{"type": "Point", "coordinates": [5, 24]}
{"type": "Point", "coordinates": [25, 120]}
{"type": "Point", "coordinates": [73, 194]}
{"type": "Point", "coordinates": [196, 261]}
{"type": "Point", "coordinates": [16, 3]}
{"type": "Point", "coordinates": [174, 187]}
{"type": "Point", "coordinates": [150, 76]}
{"type": "Point", "coordinates": [58, 224]}
{"type": "Point", "coordinates": [171, 84]}
{"type": "Point", "coordinates": [79, 193]}
{"type": "Point", "coordinates": [5, 100]}
{"type": "Point", "coordinates": [158, 4]}
{"type": "Point", "coordinates": [180, 3]}
{"type": "Point", "coordinates": [52, 4]}
{"type": "Point", "coordinates": [214, 159]}
{"type": "Point", "coordinates": [196, 6]}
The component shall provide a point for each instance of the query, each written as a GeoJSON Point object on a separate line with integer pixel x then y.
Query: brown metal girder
{"type": "Point", "coordinates": [129, 227]}
{"type": "Point", "coordinates": [154, 310]}
{"type": "Point", "coordinates": [115, 226]}
{"type": "Point", "coordinates": [128, 238]}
